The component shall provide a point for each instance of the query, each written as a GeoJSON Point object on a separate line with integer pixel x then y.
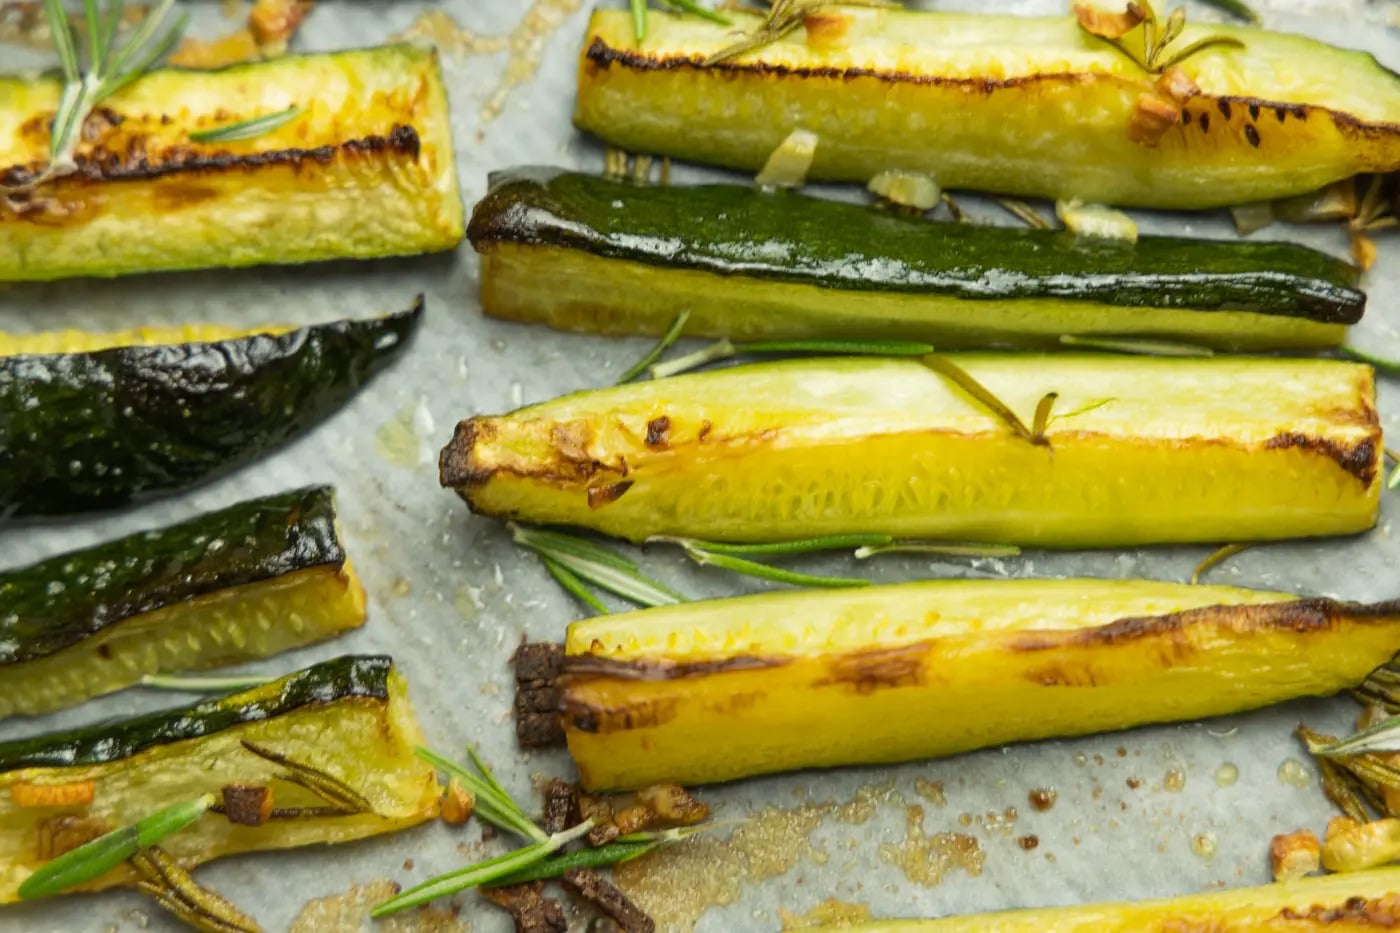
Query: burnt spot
{"type": "Point", "coordinates": [1382, 913]}
{"type": "Point", "coordinates": [599, 496]}
{"type": "Point", "coordinates": [1300, 616]}
{"type": "Point", "coordinates": [585, 666]}
{"type": "Point", "coordinates": [658, 433]}
{"type": "Point", "coordinates": [1251, 134]}
{"type": "Point", "coordinates": [868, 671]}
{"type": "Point", "coordinates": [704, 432]}
{"type": "Point", "coordinates": [1186, 117]}
{"type": "Point", "coordinates": [102, 165]}
{"type": "Point", "coordinates": [104, 651]}
{"type": "Point", "coordinates": [1358, 459]}
{"type": "Point", "coordinates": [1224, 107]}
{"type": "Point", "coordinates": [1205, 123]}
{"type": "Point", "coordinates": [1254, 111]}
{"type": "Point", "coordinates": [598, 719]}
{"type": "Point", "coordinates": [455, 466]}
{"type": "Point", "coordinates": [1281, 113]}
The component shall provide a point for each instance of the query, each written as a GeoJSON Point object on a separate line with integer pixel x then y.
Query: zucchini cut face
{"type": "Point", "coordinates": [726, 689]}
{"type": "Point", "coordinates": [245, 582]}
{"type": "Point", "coordinates": [1350, 901]}
{"type": "Point", "coordinates": [101, 425]}
{"type": "Point", "coordinates": [366, 169]}
{"type": "Point", "coordinates": [1139, 451]}
{"type": "Point", "coordinates": [349, 719]}
{"type": "Point", "coordinates": [1030, 106]}
{"type": "Point", "coordinates": [578, 252]}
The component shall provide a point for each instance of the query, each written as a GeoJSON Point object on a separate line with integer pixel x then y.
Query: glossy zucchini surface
{"type": "Point", "coordinates": [365, 169]}
{"type": "Point", "coordinates": [578, 252]}
{"type": "Point", "coordinates": [1137, 451]}
{"type": "Point", "coordinates": [111, 424]}
{"type": "Point", "coordinates": [349, 719]}
{"type": "Point", "coordinates": [245, 582]}
{"type": "Point", "coordinates": [725, 689]}
{"type": "Point", "coordinates": [1031, 106]}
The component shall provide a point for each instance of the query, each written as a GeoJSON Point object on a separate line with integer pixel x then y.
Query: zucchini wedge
{"type": "Point", "coordinates": [725, 689]}
{"type": "Point", "coordinates": [1358, 901]}
{"type": "Point", "coordinates": [349, 718]}
{"type": "Point", "coordinates": [246, 582]}
{"type": "Point", "coordinates": [1017, 105]}
{"type": "Point", "coordinates": [1137, 451]}
{"type": "Point", "coordinates": [582, 253]}
{"type": "Point", "coordinates": [366, 169]}
{"type": "Point", "coordinates": [122, 417]}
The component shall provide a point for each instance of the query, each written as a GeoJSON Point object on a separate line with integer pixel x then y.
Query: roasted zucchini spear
{"type": "Point", "coordinates": [1360, 901]}
{"type": "Point", "coordinates": [1137, 451]}
{"type": "Point", "coordinates": [366, 169]}
{"type": "Point", "coordinates": [91, 421]}
{"type": "Point", "coordinates": [245, 582]}
{"type": "Point", "coordinates": [725, 689]}
{"type": "Point", "coordinates": [349, 720]}
{"type": "Point", "coordinates": [1019, 105]}
{"type": "Point", "coordinates": [593, 254]}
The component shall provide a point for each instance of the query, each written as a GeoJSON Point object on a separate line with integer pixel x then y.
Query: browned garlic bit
{"type": "Point", "coordinates": [458, 804]}
{"type": "Point", "coordinates": [1293, 855]}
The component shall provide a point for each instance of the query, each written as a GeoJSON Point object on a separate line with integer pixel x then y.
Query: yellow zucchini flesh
{"type": "Point", "coordinates": [350, 719]}
{"type": "Point", "coordinates": [1018, 105]}
{"type": "Point", "coordinates": [366, 169]}
{"type": "Point", "coordinates": [1140, 451]}
{"type": "Point", "coordinates": [1358, 901]}
{"type": "Point", "coordinates": [1354, 901]}
{"type": "Point", "coordinates": [726, 689]}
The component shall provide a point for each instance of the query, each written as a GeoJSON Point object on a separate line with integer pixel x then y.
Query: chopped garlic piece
{"type": "Point", "coordinates": [1294, 855]}
{"type": "Point", "coordinates": [1096, 220]}
{"type": "Point", "coordinates": [909, 189]}
{"type": "Point", "coordinates": [787, 166]}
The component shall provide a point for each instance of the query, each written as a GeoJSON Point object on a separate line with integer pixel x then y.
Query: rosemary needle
{"type": "Point", "coordinates": [246, 129]}
{"type": "Point", "coordinates": [106, 852]}
{"type": "Point", "coordinates": [672, 334]}
{"type": "Point", "coordinates": [1219, 555]}
{"type": "Point", "coordinates": [752, 568]}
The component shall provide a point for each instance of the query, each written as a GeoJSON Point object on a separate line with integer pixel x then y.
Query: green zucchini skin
{"type": "Point", "coordinates": [258, 540]}
{"type": "Point", "coordinates": [89, 431]}
{"type": "Point", "coordinates": [340, 679]}
{"type": "Point", "coordinates": [737, 233]}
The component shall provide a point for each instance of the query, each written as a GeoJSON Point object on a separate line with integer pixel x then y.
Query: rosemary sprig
{"type": "Point", "coordinates": [200, 684]}
{"type": "Point", "coordinates": [783, 17]}
{"type": "Point", "coordinates": [1217, 556]}
{"type": "Point", "coordinates": [983, 396]}
{"type": "Point", "coordinates": [1025, 213]}
{"type": "Point", "coordinates": [1136, 346]}
{"type": "Point", "coordinates": [494, 803]}
{"type": "Point", "coordinates": [639, 14]}
{"type": "Point", "coordinates": [482, 874]}
{"type": "Point", "coordinates": [174, 889]}
{"type": "Point", "coordinates": [937, 548]}
{"type": "Point", "coordinates": [1141, 36]}
{"type": "Point", "coordinates": [779, 548]}
{"type": "Point", "coordinates": [595, 564]}
{"type": "Point", "coordinates": [246, 129]}
{"type": "Point", "coordinates": [109, 69]}
{"type": "Point", "coordinates": [1384, 736]}
{"type": "Point", "coordinates": [573, 585]}
{"type": "Point", "coordinates": [332, 790]}
{"type": "Point", "coordinates": [752, 568]}
{"type": "Point", "coordinates": [542, 857]}
{"type": "Point", "coordinates": [622, 849]}
{"type": "Point", "coordinates": [673, 333]}
{"type": "Point", "coordinates": [106, 852]}
{"type": "Point", "coordinates": [726, 349]}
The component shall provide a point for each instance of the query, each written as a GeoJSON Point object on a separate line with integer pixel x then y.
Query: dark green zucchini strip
{"type": "Point", "coordinates": [245, 582]}
{"type": "Point", "coordinates": [586, 253]}
{"type": "Point", "coordinates": [86, 431]}
{"type": "Point", "coordinates": [339, 679]}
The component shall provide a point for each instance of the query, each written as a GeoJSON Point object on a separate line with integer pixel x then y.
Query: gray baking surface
{"type": "Point", "coordinates": [1141, 814]}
